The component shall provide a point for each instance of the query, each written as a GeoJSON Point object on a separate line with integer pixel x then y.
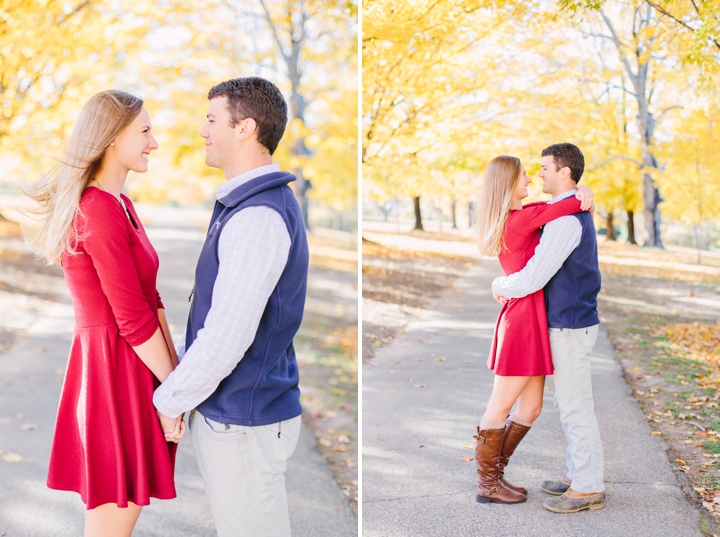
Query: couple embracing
{"type": "Point", "coordinates": [548, 325]}
{"type": "Point", "coordinates": [127, 386]}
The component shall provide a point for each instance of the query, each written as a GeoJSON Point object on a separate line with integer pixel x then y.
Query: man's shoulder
{"type": "Point", "coordinates": [565, 223]}
{"type": "Point", "coordinates": [256, 216]}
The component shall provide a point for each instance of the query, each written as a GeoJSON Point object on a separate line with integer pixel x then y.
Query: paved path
{"type": "Point", "coordinates": [414, 481]}
{"type": "Point", "coordinates": [29, 384]}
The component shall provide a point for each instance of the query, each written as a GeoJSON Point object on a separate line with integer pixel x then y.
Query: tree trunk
{"type": "Point", "coordinates": [291, 53]}
{"type": "Point", "coordinates": [651, 193]}
{"type": "Point", "coordinates": [610, 227]}
{"type": "Point", "coordinates": [646, 123]}
{"type": "Point", "coordinates": [471, 214]}
{"type": "Point", "coordinates": [454, 215]}
{"type": "Point", "coordinates": [418, 215]}
{"type": "Point", "coordinates": [631, 228]}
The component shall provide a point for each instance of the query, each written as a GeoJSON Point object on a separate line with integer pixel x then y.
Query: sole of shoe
{"type": "Point", "coordinates": [553, 492]}
{"type": "Point", "coordinates": [593, 507]}
{"type": "Point", "coordinates": [483, 499]}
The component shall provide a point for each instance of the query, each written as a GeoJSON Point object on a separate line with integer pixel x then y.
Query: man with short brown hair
{"type": "Point", "coordinates": [566, 265]}
{"type": "Point", "coordinates": [238, 369]}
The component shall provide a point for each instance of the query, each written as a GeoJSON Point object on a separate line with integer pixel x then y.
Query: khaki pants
{"type": "Point", "coordinates": [571, 350]}
{"type": "Point", "coordinates": [243, 469]}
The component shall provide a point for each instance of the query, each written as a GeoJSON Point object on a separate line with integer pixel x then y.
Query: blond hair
{"type": "Point", "coordinates": [58, 193]}
{"type": "Point", "coordinates": [494, 203]}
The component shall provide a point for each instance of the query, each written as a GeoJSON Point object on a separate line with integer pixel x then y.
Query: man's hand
{"type": "Point", "coordinates": [586, 197]}
{"type": "Point", "coordinates": [173, 428]}
{"type": "Point", "coordinates": [500, 298]}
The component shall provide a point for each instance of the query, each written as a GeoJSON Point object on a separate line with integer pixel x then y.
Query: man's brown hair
{"type": "Point", "coordinates": [259, 99]}
{"type": "Point", "coordinates": [569, 155]}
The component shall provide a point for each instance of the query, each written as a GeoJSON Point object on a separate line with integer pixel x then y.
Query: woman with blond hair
{"type": "Point", "coordinates": [109, 444]}
{"type": "Point", "coordinates": [520, 354]}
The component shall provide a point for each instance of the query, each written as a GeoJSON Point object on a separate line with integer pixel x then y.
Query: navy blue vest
{"type": "Point", "coordinates": [263, 387]}
{"type": "Point", "coordinates": [571, 295]}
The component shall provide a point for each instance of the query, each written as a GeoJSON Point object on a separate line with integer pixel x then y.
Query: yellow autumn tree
{"type": "Point", "coordinates": [691, 180]}
{"type": "Point", "coordinates": [53, 55]}
{"type": "Point", "coordinates": [171, 55]}
{"type": "Point", "coordinates": [426, 78]}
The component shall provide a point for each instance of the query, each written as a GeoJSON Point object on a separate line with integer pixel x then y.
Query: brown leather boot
{"type": "Point", "coordinates": [514, 433]}
{"type": "Point", "coordinates": [487, 452]}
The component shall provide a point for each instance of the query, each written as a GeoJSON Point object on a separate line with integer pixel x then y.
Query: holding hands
{"type": "Point", "coordinates": [173, 428]}
{"type": "Point", "coordinates": [500, 298]}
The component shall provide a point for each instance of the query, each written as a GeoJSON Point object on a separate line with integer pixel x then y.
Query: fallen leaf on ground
{"type": "Point", "coordinates": [325, 442]}
{"type": "Point", "coordinates": [440, 359]}
{"type": "Point", "coordinates": [29, 426]}
{"type": "Point", "coordinates": [12, 457]}
{"type": "Point", "coordinates": [339, 448]}
{"type": "Point", "coordinates": [655, 432]}
{"type": "Point", "coordinates": [421, 385]}
{"type": "Point", "coordinates": [467, 459]}
{"type": "Point", "coordinates": [467, 446]}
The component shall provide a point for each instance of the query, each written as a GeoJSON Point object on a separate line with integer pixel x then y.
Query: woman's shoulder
{"type": "Point", "coordinates": [99, 206]}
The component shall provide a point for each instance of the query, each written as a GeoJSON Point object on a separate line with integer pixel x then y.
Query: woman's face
{"type": "Point", "coordinates": [134, 144]}
{"type": "Point", "coordinates": [521, 191]}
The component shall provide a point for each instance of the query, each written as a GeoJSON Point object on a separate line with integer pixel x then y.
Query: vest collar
{"type": "Point", "coordinates": [253, 187]}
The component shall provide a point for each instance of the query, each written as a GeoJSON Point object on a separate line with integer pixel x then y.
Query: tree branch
{"type": "Point", "coordinates": [616, 157]}
{"type": "Point", "coordinates": [663, 11]}
{"type": "Point", "coordinates": [664, 111]}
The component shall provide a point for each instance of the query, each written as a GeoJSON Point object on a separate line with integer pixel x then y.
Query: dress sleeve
{"type": "Point", "coordinates": [535, 215]}
{"type": "Point", "coordinates": [158, 300]}
{"type": "Point", "coordinates": [106, 241]}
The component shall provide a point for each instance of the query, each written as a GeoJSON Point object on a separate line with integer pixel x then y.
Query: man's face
{"type": "Point", "coordinates": [550, 175]}
{"type": "Point", "coordinates": [220, 137]}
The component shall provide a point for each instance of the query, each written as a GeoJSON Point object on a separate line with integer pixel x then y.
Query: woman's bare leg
{"type": "Point", "coordinates": [109, 520]}
{"type": "Point", "coordinates": [530, 401]}
{"type": "Point", "coordinates": [506, 391]}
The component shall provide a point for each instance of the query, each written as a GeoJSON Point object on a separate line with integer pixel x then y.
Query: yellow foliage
{"type": "Point", "coordinates": [697, 341]}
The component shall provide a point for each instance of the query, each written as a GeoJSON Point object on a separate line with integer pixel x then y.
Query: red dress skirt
{"type": "Point", "coordinates": [521, 345]}
{"type": "Point", "coordinates": [108, 444]}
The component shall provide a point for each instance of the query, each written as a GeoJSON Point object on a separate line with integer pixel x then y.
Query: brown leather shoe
{"type": "Point", "coordinates": [487, 452]}
{"type": "Point", "coordinates": [566, 504]}
{"type": "Point", "coordinates": [514, 433]}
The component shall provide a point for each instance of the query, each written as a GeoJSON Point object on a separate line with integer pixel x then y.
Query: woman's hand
{"type": "Point", "coordinates": [586, 197]}
{"type": "Point", "coordinates": [500, 298]}
{"type": "Point", "coordinates": [173, 428]}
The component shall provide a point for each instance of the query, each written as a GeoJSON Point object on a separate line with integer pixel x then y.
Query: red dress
{"type": "Point", "coordinates": [521, 345]}
{"type": "Point", "coordinates": [108, 444]}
